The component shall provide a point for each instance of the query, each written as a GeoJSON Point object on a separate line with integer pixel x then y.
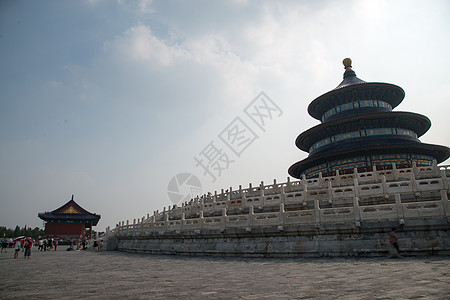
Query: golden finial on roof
{"type": "Point", "coordinates": [347, 63]}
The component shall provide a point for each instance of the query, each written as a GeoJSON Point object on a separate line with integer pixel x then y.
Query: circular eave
{"type": "Point", "coordinates": [440, 153]}
{"type": "Point", "coordinates": [407, 120]}
{"type": "Point", "coordinates": [322, 104]}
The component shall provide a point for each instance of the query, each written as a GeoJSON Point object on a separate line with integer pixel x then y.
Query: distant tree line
{"type": "Point", "coordinates": [35, 233]}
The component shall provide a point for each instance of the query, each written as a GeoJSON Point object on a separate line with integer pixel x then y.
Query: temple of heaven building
{"type": "Point", "coordinates": [360, 130]}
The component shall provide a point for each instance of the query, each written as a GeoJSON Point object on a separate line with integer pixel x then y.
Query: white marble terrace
{"type": "Point", "coordinates": [396, 194]}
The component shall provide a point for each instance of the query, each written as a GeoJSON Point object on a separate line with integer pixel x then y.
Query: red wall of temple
{"type": "Point", "coordinates": [64, 229]}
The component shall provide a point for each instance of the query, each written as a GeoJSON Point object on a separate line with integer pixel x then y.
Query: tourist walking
{"type": "Point", "coordinates": [95, 246]}
{"type": "Point", "coordinates": [394, 242]}
{"type": "Point", "coordinates": [16, 249]}
{"type": "Point", "coordinates": [4, 246]}
{"type": "Point", "coordinates": [28, 246]}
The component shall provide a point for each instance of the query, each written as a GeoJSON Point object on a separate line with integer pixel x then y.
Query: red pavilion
{"type": "Point", "coordinates": [69, 220]}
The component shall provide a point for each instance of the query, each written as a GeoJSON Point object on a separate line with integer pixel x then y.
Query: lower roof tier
{"type": "Point", "coordinates": [422, 154]}
{"type": "Point", "coordinates": [69, 218]}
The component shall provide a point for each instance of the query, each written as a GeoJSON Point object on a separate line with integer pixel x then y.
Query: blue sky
{"type": "Point", "coordinates": [110, 100]}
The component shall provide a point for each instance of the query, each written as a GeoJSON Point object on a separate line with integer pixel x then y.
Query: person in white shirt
{"type": "Point", "coordinates": [17, 249]}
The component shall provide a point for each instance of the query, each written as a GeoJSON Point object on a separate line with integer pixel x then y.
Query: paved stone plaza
{"type": "Point", "coordinates": [85, 274]}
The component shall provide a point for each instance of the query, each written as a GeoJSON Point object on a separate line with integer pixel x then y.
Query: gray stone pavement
{"type": "Point", "coordinates": [99, 275]}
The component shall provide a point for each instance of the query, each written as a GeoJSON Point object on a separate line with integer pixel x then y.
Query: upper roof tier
{"type": "Point", "coordinates": [354, 91]}
{"type": "Point", "coordinates": [70, 212]}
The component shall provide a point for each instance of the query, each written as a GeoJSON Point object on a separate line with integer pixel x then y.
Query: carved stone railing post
{"type": "Point", "coordinates": [399, 206]}
{"type": "Point", "coordinates": [395, 171]}
{"type": "Point", "coordinates": [444, 179]}
{"type": "Point", "coordinates": [375, 173]}
{"type": "Point", "coordinates": [330, 191]}
{"type": "Point", "coordinates": [384, 185]}
{"type": "Point", "coordinates": [201, 219]}
{"type": "Point", "coordinates": [261, 193]}
{"type": "Point", "coordinates": [251, 215]}
{"type": "Point", "coordinates": [320, 180]}
{"type": "Point", "coordinates": [356, 187]}
{"type": "Point", "coordinates": [445, 204]}
{"type": "Point", "coordinates": [316, 211]}
{"type": "Point", "coordinates": [356, 211]}
{"type": "Point", "coordinates": [435, 168]}
{"type": "Point", "coordinates": [166, 221]}
{"type": "Point", "coordinates": [281, 215]}
{"type": "Point", "coordinates": [182, 221]}
{"type": "Point", "coordinates": [224, 218]}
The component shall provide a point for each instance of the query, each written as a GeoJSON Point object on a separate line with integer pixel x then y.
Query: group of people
{"type": "Point", "coordinates": [48, 244]}
{"type": "Point", "coordinates": [24, 245]}
{"type": "Point", "coordinates": [45, 245]}
{"type": "Point", "coordinates": [98, 246]}
{"type": "Point", "coordinates": [83, 245]}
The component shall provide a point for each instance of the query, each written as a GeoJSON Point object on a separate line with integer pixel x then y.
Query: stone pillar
{"type": "Point", "coordinates": [166, 222]}
{"type": "Point", "coordinates": [356, 187]}
{"type": "Point", "coordinates": [374, 173]}
{"type": "Point", "coordinates": [414, 183]}
{"type": "Point", "coordinates": [283, 195]}
{"type": "Point", "coordinates": [182, 221]}
{"type": "Point", "coordinates": [275, 188]}
{"type": "Point", "coordinates": [224, 218]}
{"type": "Point", "coordinates": [415, 170]}
{"type": "Point", "coordinates": [330, 191]}
{"type": "Point", "coordinates": [338, 178]}
{"type": "Point", "coordinates": [444, 179]}
{"type": "Point", "coordinates": [320, 180]}
{"type": "Point", "coordinates": [261, 194]}
{"type": "Point", "coordinates": [250, 216]}
{"type": "Point", "coordinates": [384, 185]}
{"type": "Point", "coordinates": [305, 194]}
{"type": "Point", "coordinates": [282, 214]}
{"type": "Point", "coordinates": [201, 219]}
{"type": "Point", "coordinates": [316, 211]}
{"type": "Point", "coordinates": [395, 171]}
{"type": "Point", "coordinates": [356, 211]}
{"type": "Point", "coordinates": [445, 203]}
{"type": "Point", "coordinates": [399, 206]}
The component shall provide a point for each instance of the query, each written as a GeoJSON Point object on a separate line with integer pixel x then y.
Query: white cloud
{"type": "Point", "coordinates": [139, 44]}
